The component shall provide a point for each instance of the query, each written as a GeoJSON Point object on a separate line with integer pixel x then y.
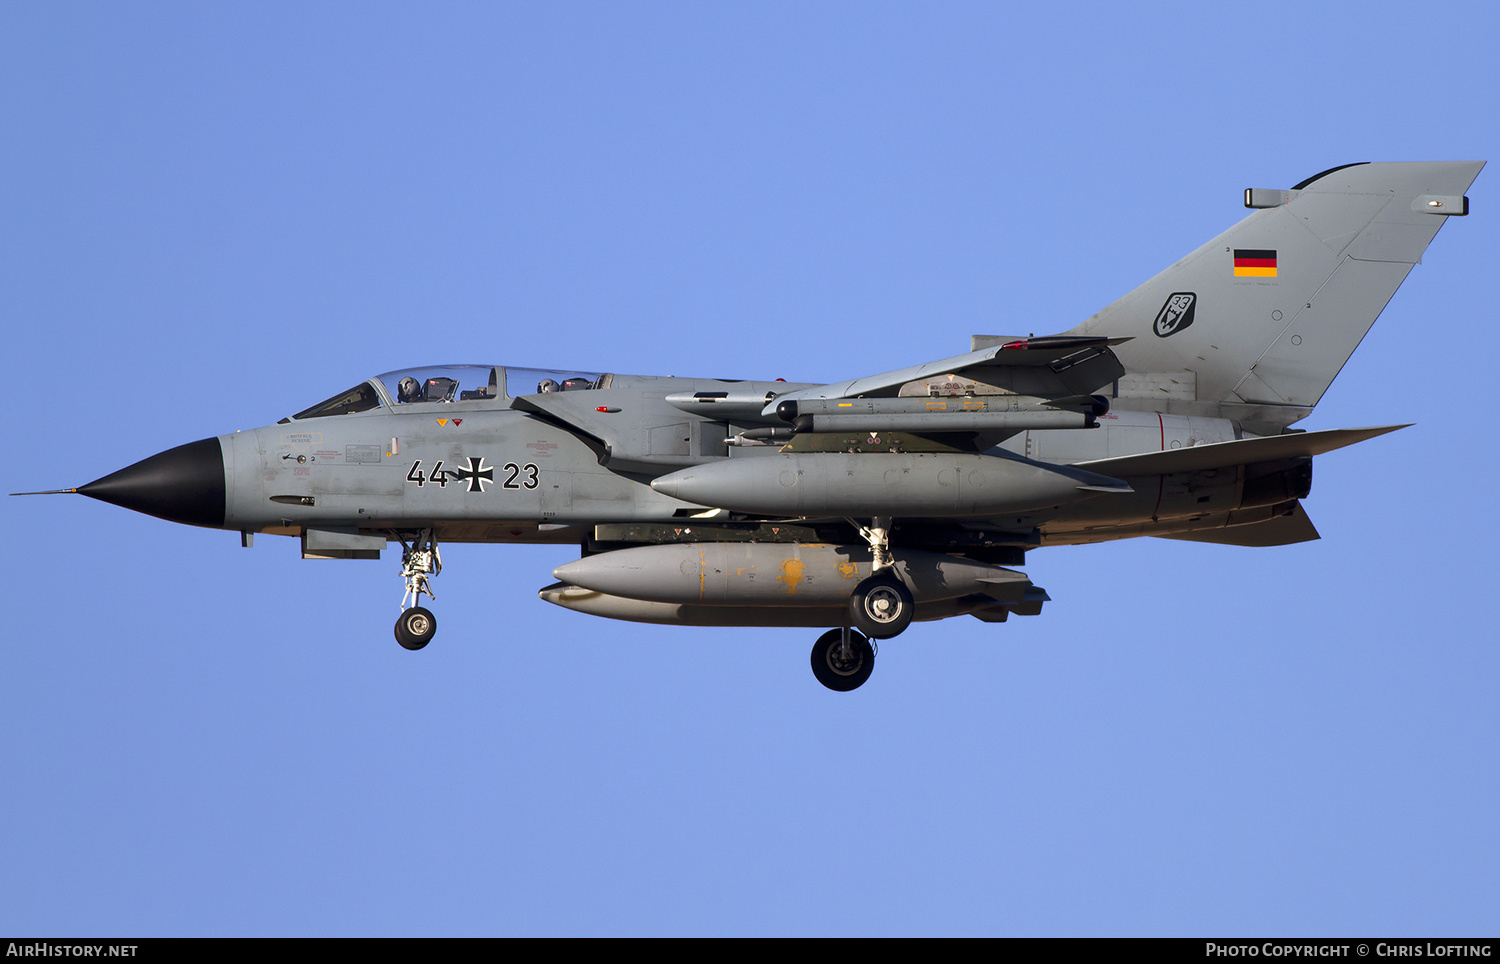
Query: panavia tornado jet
{"type": "Point", "coordinates": [861, 505]}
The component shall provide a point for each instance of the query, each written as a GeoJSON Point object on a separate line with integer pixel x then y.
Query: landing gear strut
{"type": "Point", "coordinates": [842, 659]}
{"type": "Point", "coordinates": [878, 535]}
{"type": "Point", "coordinates": [419, 559]}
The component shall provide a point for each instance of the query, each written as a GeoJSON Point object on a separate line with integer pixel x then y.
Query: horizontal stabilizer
{"type": "Point", "coordinates": [1282, 531]}
{"type": "Point", "coordinates": [999, 611]}
{"type": "Point", "coordinates": [1219, 455]}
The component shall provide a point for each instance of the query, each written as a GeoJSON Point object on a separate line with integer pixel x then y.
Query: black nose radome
{"type": "Point", "coordinates": [185, 484]}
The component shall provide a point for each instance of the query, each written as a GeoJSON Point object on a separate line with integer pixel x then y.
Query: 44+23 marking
{"type": "Point", "coordinates": [477, 474]}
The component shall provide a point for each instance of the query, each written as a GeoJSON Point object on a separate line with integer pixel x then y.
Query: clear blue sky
{"type": "Point", "coordinates": [214, 215]}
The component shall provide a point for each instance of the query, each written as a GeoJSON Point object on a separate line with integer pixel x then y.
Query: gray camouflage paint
{"type": "Point", "coordinates": [1239, 339]}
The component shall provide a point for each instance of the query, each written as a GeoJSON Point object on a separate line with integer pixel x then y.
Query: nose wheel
{"type": "Point", "coordinates": [842, 659]}
{"type": "Point", "coordinates": [415, 628]}
{"type": "Point", "coordinates": [419, 559]}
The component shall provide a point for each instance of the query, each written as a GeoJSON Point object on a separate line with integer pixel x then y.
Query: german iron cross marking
{"type": "Point", "coordinates": [476, 474]}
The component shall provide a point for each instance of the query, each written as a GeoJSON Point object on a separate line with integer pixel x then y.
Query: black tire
{"type": "Point", "coordinates": [881, 606]}
{"type": "Point", "coordinates": [415, 628]}
{"type": "Point", "coordinates": [837, 673]}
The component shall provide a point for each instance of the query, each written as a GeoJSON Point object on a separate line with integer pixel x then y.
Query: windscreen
{"type": "Point", "coordinates": [360, 398]}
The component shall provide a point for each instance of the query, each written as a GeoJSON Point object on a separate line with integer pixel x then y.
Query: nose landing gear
{"type": "Point", "coordinates": [419, 559]}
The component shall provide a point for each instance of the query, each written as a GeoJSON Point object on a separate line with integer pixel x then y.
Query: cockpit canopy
{"type": "Point", "coordinates": [450, 384]}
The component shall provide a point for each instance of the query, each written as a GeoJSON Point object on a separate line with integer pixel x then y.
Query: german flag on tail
{"type": "Point", "coordinates": [1254, 263]}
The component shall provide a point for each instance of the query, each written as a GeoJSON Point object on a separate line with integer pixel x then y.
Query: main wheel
{"type": "Point", "coordinates": [837, 670]}
{"type": "Point", "coordinates": [881, 606]}
{"type": "Point", "coordinates": [415, 628]}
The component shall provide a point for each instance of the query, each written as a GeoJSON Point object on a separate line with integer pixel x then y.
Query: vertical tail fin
{"type": "Point", "coordinates": [1266, 314]}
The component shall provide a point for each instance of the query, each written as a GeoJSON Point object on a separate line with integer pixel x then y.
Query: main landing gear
{"type": "Point", "coordinates": [880, 607]}
{"type": "Point", "coordinates": [842, 659]}
{"type": "Point", "coordinates": [419, 559]}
